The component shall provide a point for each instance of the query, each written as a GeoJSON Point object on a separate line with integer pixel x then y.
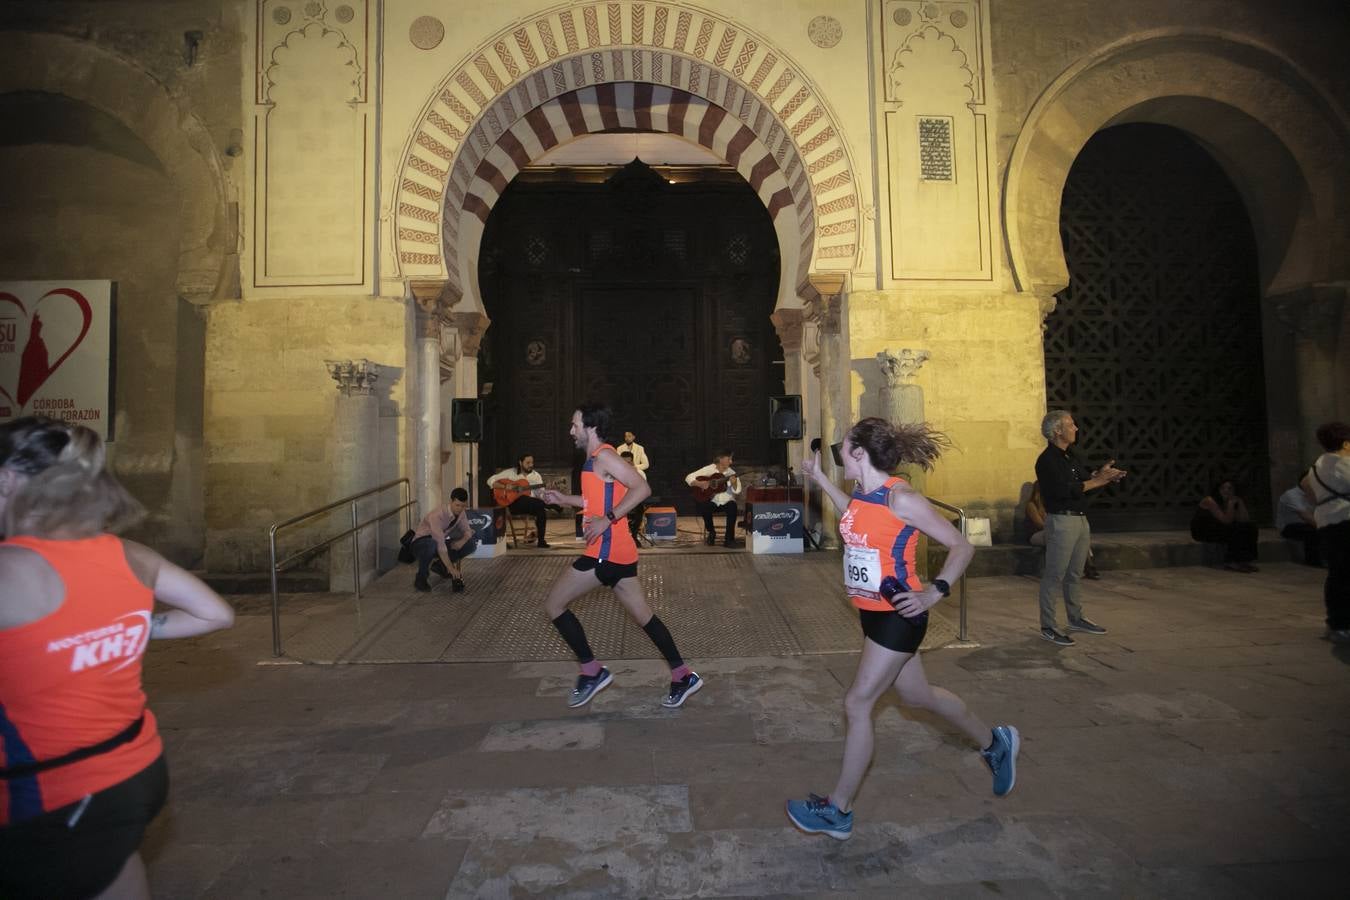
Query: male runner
{"type": "Point", "coordinates": [610, 488]}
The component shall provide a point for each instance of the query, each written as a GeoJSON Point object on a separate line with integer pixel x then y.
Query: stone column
{"type": "Point", "coordinates": [824, 309]}
{"type": "Point", "coordinates": [1315, 315]}
{"type": "Point", "coordinates": [427, 384]}
{"type": "Point", "coordinates": [788, 323]}
{"type": "Point", "coordinates": [355, 464]}
{"type": "Point", "coordinates": [469, 325]}
{"type": "Point", "coordinates": [901, 398]}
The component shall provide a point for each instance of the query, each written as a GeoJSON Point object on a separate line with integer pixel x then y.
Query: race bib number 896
{"type": "Point", "coordinates": [862, 571]}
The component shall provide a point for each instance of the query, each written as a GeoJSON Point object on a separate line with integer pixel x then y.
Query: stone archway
{"type": "Point", "coordinates": [1283, 142]}
{"type": "Point", "coordinates": [1279, 137]}
{"type": "Point", "coordinates": [64, 66]}
{"type": "Point", "coordinates": [685, 71]}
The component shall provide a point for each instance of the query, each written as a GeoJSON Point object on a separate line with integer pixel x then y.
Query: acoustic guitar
{"type": "Point", "coordinates": [507, 490]}
{"type": "Point", "coordinates": [717, 483]}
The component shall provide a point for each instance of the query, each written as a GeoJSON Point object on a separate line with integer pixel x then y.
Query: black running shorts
{"type": "Point", "coordinates": [893, 631]}
{"type": "Point", "coordinates": [49, 858]}
{"type": "Point", "coordinates": [609, 573]}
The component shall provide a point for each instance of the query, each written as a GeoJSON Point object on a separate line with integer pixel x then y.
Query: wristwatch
{"type": "Point", "coordinates": [942, 586]}
{"type": "Point", "coordinates": [609, 514]}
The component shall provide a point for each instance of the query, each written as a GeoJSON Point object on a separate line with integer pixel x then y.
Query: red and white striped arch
{"type": "Point", "coordinates": [524, 94]}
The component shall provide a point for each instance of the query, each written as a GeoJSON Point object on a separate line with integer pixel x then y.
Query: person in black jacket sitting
{"type": "Point", "coordinates": [1222, 518]}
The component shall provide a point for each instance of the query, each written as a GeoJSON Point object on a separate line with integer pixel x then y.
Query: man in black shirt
{"type": "Point", "coordinates": [1064, 481]}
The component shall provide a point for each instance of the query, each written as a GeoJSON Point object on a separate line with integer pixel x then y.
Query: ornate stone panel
{"type": "Point", "coordinates": [938, 149]}
{"type": "Point", "coordinates": [312, 142]}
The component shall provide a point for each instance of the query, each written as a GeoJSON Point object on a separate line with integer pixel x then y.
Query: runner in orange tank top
{"type": "Point", "coordinates": [880, 524]}
{"type": "Point", "coordinates": [81, 761]}
{"type": "Point", "coordinates": [610, 489]}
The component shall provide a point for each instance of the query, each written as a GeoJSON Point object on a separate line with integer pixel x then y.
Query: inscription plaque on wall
{"type": "Point", "coordinates": [935, 149]}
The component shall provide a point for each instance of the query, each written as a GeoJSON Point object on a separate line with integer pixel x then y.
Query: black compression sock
{"type": "Point", "coordinates": [569, 626]}
{"type": "Point", "coordinates": [660, 635]}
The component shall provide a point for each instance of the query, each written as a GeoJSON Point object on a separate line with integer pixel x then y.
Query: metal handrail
{"type": "Point", "coordinates": [354, 532]}
{"type": "Point", "coordinates": [961, 525]}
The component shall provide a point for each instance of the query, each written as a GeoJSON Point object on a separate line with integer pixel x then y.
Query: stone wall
{"type": "Point", "coordinates": [983, 384]}
{"type": "Point", "coordinates": [270, 446]}
{"type": "Point", "coordinates": [118, 126]}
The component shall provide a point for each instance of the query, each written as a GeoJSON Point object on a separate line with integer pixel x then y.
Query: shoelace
{"type": "Point", "coordinates": [817, 803]}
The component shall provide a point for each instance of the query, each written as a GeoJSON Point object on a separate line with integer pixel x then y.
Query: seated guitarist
{"type": "Point", "coordinates": [715, 487]}
{"type": "Point", "coordinates": [511, 488]}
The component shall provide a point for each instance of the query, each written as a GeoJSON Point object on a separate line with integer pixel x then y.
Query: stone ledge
{"type": "Point", "coordinates": [1120, 550]}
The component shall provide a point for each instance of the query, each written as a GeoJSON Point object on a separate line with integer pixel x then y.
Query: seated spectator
{"type": "Point", "coordinates": [1034, 523]}
{"type": "Point", "coordinates": [1328, 486]}
{"type": "Point", "coordinates": [1294, 521]}
{"type": "Point", "coordinates": [1222, 518]}
{"type": "Point", "coordinates": [636, 513]}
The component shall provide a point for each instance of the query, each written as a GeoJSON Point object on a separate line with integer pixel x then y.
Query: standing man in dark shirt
{"type": "Point", "coordinates": [1064, 481]}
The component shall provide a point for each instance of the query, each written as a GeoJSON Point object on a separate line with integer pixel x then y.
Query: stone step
{"type": "Point", "coordinates": [261, 583]}
{"type": "Point", "coordinates": [1120, 550]}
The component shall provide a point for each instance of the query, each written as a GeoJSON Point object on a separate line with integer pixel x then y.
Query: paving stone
{"type": "Point", "coordinates": [1200, 749]}
{"type": "Point", "coordinates": [304, 869]}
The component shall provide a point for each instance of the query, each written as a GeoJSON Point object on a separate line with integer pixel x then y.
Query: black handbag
{"type": "Point", "coordinates": [405, 554]}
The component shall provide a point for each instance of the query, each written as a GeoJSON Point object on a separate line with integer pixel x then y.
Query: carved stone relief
{"type": "Point", "coordinates": [938, 145]}
{"type": "Point", "coordinates": [310, 167]}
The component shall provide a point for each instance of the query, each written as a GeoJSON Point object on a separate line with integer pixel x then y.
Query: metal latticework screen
{"type": "Point", "coordinates": [1155, 346]}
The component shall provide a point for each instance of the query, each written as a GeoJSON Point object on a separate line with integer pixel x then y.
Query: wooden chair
{"type": "Point", "coordinates": [517, 528]}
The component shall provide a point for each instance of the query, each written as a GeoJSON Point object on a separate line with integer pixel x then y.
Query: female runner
{"type": "Point", "coordinates": [880, 529]}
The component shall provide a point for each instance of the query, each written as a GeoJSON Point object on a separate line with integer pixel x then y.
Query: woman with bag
{"type": "Point", "coordinates": [83, 764]}
{"type": "Point", "coordinates": [1328, 486]}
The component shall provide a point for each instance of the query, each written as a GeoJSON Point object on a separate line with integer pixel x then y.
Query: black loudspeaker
{"type": "Point", "coordinates": [785, 417]}
{"type": "Point", "coordinates": [466, 421]}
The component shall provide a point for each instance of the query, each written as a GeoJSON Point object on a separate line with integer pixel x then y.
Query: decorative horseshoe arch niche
{"type": "Point", "coordinates": [92, 76]}
{"type": "Point", "coordinates": [1281, 140]}
{"type": "Point", "coordinates": [600, 67]}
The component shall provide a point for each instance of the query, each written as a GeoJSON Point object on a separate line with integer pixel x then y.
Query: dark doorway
{"type": "Point", "coordinates": [617, 284]}
{"type": "Point", "coordinates": [1155, 346]}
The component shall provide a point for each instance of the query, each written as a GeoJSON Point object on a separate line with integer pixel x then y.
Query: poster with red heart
{"type": "Point", "coordinates": [56, 351]}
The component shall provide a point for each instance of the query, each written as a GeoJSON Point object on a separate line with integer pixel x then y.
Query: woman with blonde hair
{"type": "Point", "coordinates": [880, 527]}
{"type": "Point", "coordinates": [83, 769]}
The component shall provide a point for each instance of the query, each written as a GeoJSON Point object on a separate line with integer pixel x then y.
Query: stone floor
{"type": "Point", "coordinates": [1202, 748]}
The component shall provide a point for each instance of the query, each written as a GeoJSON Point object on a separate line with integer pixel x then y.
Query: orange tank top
{"type": "Point", "coordinates": [877, 545]}
{"type": "Point", "coordinates": [72, 679]}
{"type": "Point", "coordinates": [600, 497]}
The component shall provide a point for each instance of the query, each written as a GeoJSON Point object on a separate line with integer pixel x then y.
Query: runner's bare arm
{"type": "Point", "coordinates": [608, 463]}
{"type": "Point", "coordinates": [914, 508]}
{"type": "Point", "coordinates": [812, 468]}
{"type": "Point", "coordinates": [557, 498]}
{"type": "Point", "coordinates": [198, 609]}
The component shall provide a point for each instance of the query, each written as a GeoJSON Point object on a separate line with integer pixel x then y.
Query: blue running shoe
{"type": "Point", "coordinates": [817, 815]}
{"type": "Point", "coordinates": [681, 690]}
{"type": "Point", "coordinates": [588, 686]}
{"type": "Point", "coordinates": [1002, 758]}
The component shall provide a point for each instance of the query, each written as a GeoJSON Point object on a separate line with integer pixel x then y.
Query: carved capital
{"type": "Point", "coordinates": [1046, 304]}
{"type": "Point", "coordinates": [428, 325]}
{"type": "Point", "coordinates": [1313, 312]}
{"type": "Point", "coordinates": [788, 323]}
{"type": "Point", "coordinates": [470, 325]}
{"type": "Point", "coordinates": [899, 365]}
{"type": "Point", "coordinates": [450, 350]}
{"type": "Point", "coordinates": [354, 377]}
{"type": "Point", "coordinates": [433, 295]}
{"type": "Point", "coordinates": [827, 284]}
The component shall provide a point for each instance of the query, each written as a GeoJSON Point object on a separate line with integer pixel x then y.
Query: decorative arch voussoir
{"type": "Point", "coordinates": [586, 68]}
